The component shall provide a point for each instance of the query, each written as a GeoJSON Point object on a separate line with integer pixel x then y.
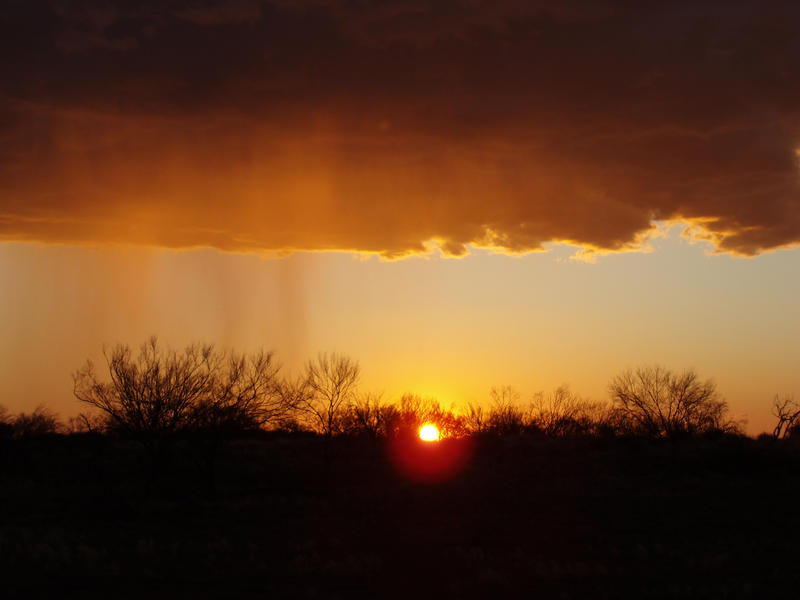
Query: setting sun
{"type": "Point", "coordinates": [429, 433]}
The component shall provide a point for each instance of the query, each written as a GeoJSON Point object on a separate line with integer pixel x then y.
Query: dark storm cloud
{"type": "Point", "coordinates": [377, 126]}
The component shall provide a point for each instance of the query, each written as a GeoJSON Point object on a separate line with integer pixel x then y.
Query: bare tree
{"type": "Point", "coordinates": [475, 419]}
{"type": "Point", "coordinates": [160, 393]}
{"type": "Point", "coordinates": [450, 424]}
{"type": "Point", "coordinates": [505, 414]}
{"type": "Point", "coordinates": [414, 411]}
{"type": "Point", "coordinates": [89, 422]}
{"type": "Point", "coordinates": [367, 414]}
{"type": "Point", "coordinates": [328, 386]}
{"type": "Point", "coordinates": [244, 394]}
{"type": "Point", "coordinates": [563, 413]}
{"type": "Point", "coordinates": [787, 411]}
{"type": "Point", "coordinates": [149, 396]}
{"type": "Point", "coordinates": [657, 402]}
{"type": "Point", "coordinates": [294, 393]}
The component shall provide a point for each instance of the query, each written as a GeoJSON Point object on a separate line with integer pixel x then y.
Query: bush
{"type": "Point", "coordinates": [38, 423]}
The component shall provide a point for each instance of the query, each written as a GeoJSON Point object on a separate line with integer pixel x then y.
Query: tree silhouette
{"type": "Point", "coordinates": [149, 396]}
{"type": "Point", "coordinates": [562, 413]}
{"type": "Point", "coordinates": [475, 419]}
{"type": "Point", "coordinates": [367, 415]}
{"type": "Point", "coordinates": [505, 415]}
{"type": "Point", "coordinates": [327, 387]}
{"type": "Point", "coordinates": [787, 412]}
{"type": "Point", "coordinates": [656, 402]}
{"type": "Point", "coordinates": [95, 423]}
{"type": "Point", "coordinates": [244, 394]}
{"type": "Point", "coordinates": [160, 393]}
{"type": "Point", "coordinates": [413, 411]}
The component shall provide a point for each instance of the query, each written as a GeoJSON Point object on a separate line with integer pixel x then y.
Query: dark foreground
{"type": "Point", "coordinates": [524, 516]}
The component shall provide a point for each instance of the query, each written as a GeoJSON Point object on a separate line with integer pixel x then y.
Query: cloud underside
{"type": "Point", "coordinates": [258, 126]}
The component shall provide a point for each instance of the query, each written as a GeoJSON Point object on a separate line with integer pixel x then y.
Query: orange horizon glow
{"type": "Point", "coordinates": [434, 327]}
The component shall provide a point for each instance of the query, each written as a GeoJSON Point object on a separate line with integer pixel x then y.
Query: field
{"type": "Point", "coordinates": [297, 517]}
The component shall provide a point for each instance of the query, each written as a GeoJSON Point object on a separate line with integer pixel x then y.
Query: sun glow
{"type": "Point", "coordinates": [429, 433]}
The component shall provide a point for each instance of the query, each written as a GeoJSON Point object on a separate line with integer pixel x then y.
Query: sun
{"type": "Point", "coordinates": [429, 433]}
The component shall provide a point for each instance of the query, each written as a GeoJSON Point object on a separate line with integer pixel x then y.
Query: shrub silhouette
{"type": "Point", "coordinates": [6, 426]}
{"type": "Point", "coordinates": [38, 423]}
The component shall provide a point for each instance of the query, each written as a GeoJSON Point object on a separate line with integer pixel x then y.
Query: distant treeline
{"type": "Point", "coordinates": [200, 398]}
{"type": "Point", "coordinates": [158, 393]}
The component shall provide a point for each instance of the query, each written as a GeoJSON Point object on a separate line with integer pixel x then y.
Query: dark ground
{"type": "Point", "coordinates": [525, 516]}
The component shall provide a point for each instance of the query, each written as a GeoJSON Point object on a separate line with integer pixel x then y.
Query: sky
{"type": "Point", "coordinates": [459, 194]}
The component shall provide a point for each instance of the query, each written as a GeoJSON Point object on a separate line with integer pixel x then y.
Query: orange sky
{"type": "Point", "coordinates": [138, 140]}
{"type": "Point", "coordinates": [449, 328]}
